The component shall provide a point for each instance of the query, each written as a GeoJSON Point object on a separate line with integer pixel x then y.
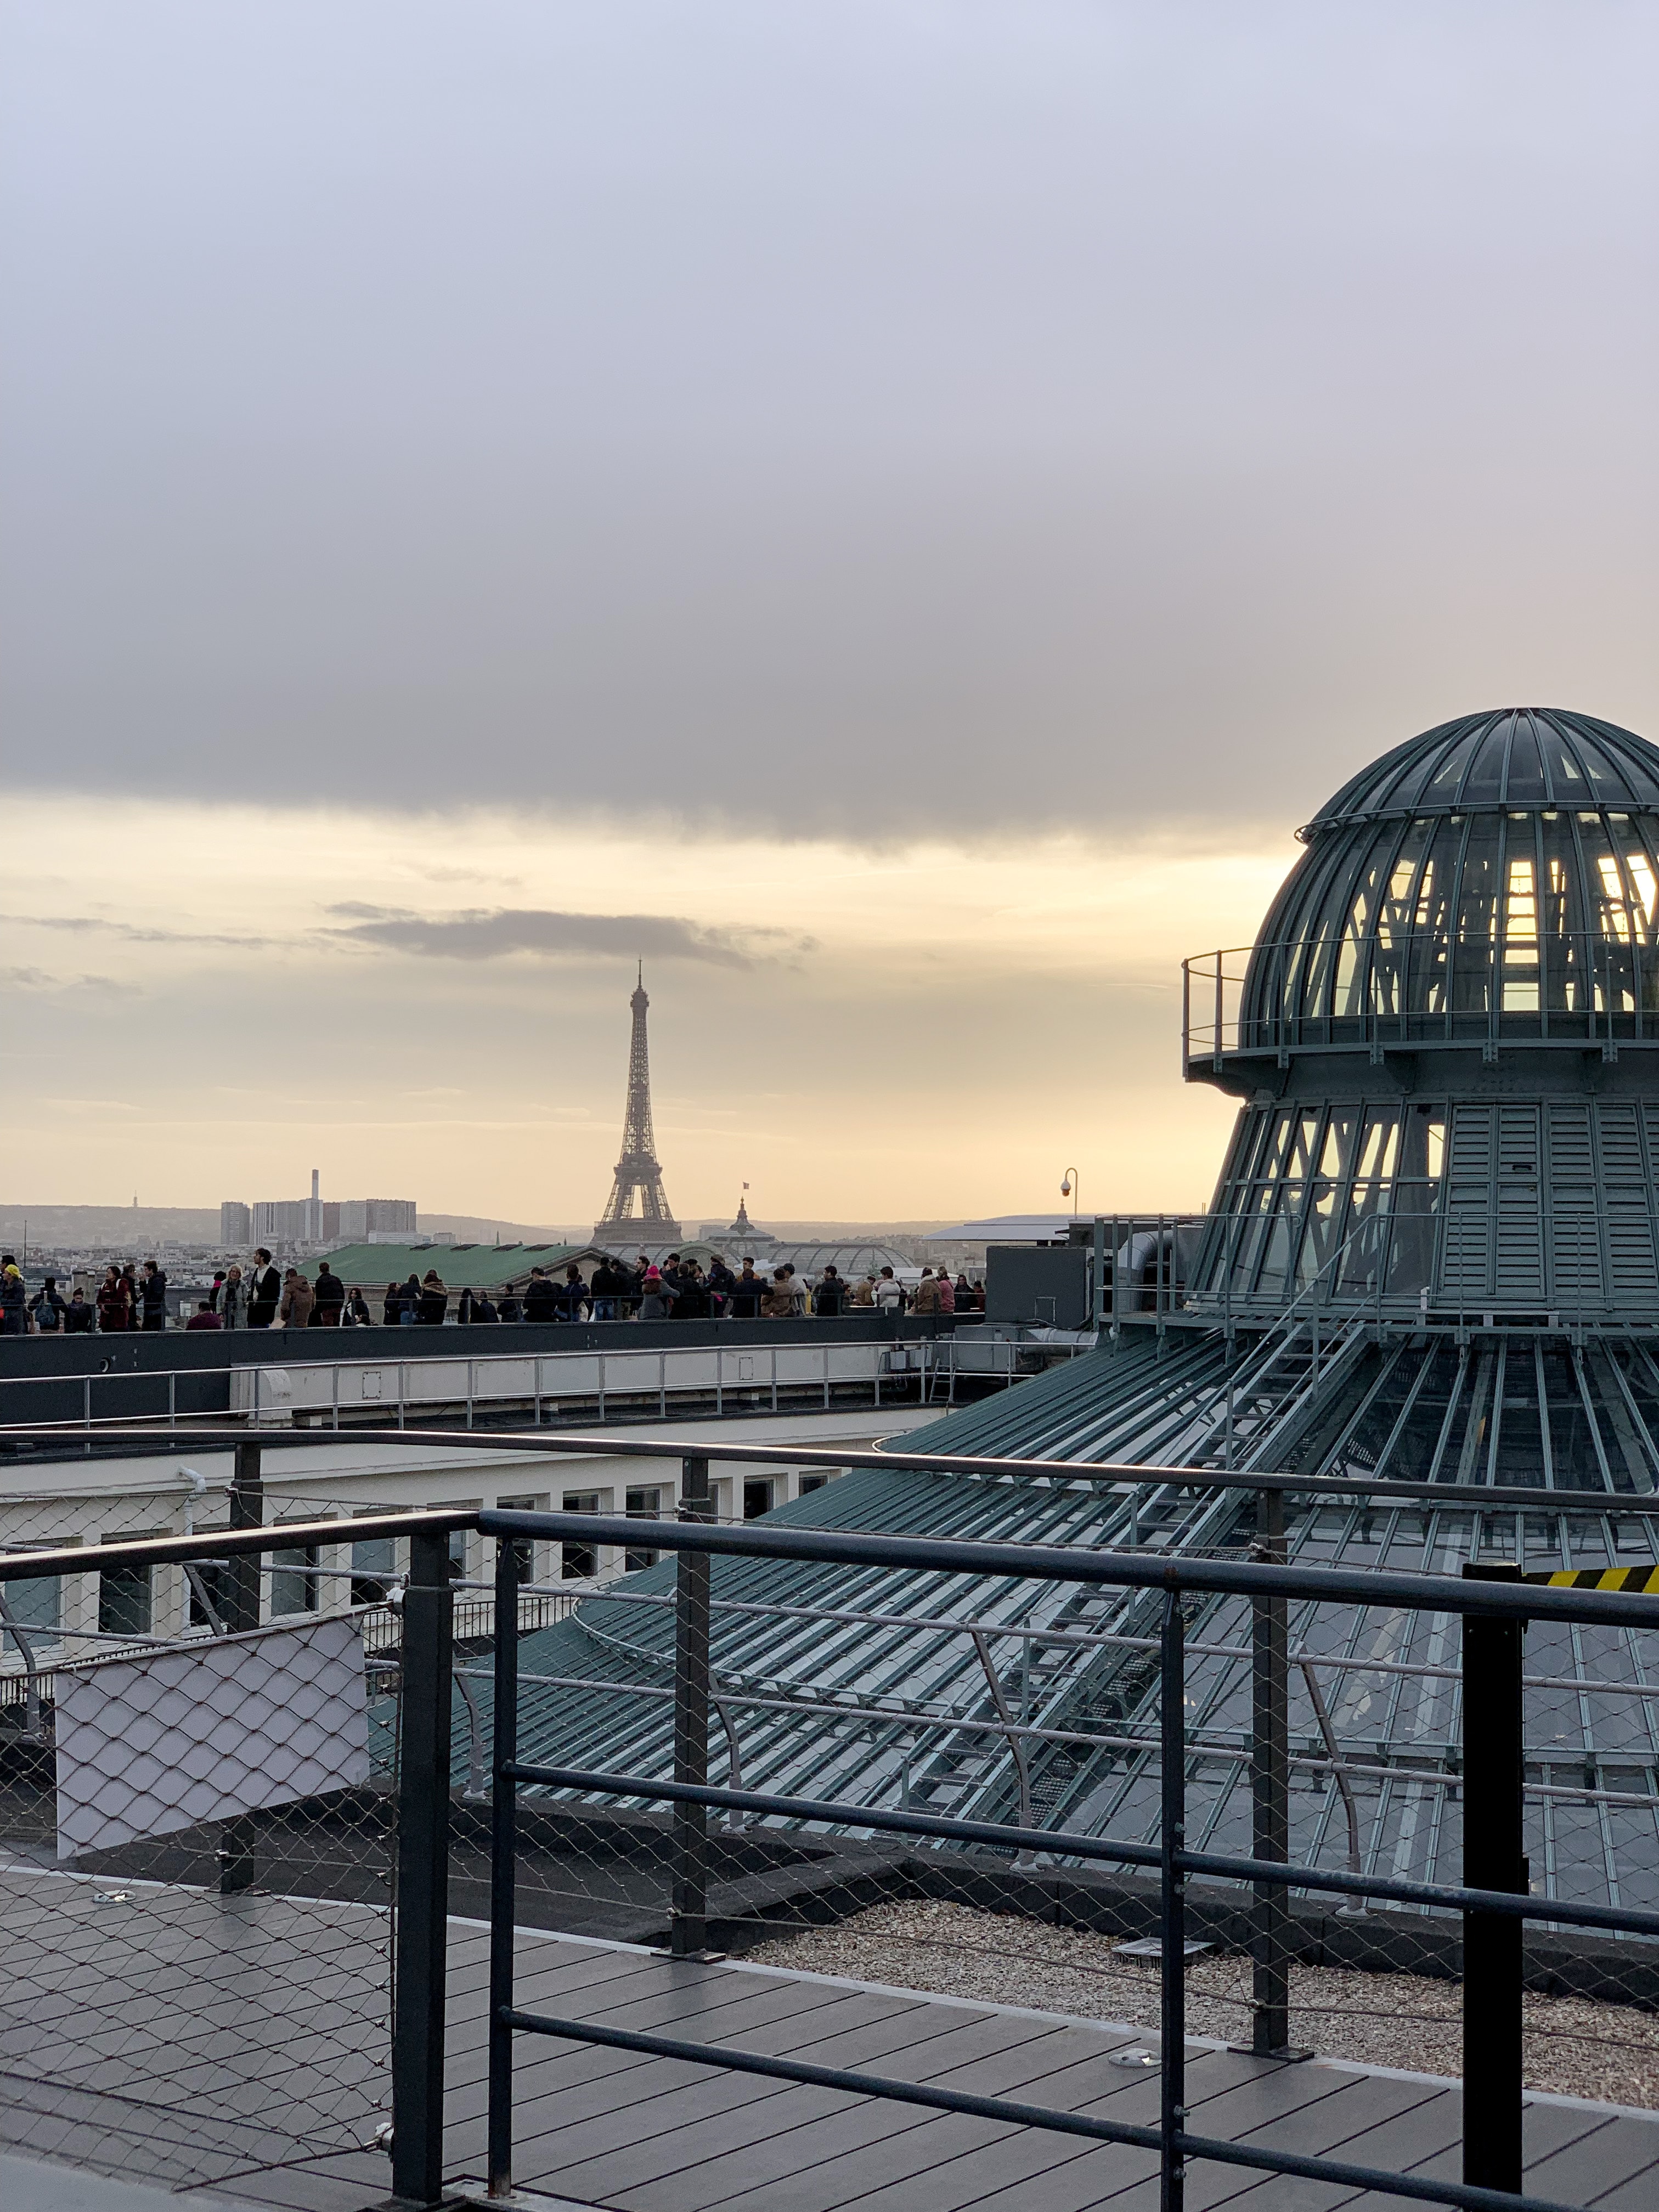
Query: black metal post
{"type": "Point", "coordinates": [1270, 1792]}
{"type": "Point", "coordinates": [247, 1510]}
{"type": "Point", "coordinates": [503, 1869]}
{"type": "Point", "coordinates": [1492, 1859]}
{"type": "Point", "coordinates": [688, 1936]}
{"type": "Point", "coordinates": [1172, 1943]}
{"type": "Point", "coordinates": [417, 2035]}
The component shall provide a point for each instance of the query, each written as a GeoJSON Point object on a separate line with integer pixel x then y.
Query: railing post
{"type": "Point", "coordinates": [422, 1917]}
{"type": "Point", "coordinates": [247, 1510]}
{"type": "Point", "coordinates": [1492, 1859]}
{"type": "Point", "coordinates": [1270, 1792]}
{"type": "Point", "coordinates": [688, 1923]}
{"type": "Point", "coordinates": [1172, 1886]}
{"type": "Point", "coordinates": [503, 1868]}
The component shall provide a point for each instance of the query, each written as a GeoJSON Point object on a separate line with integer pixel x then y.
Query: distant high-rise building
{"type": "Point", "coordinates": [637, 1172]}
{"type": "Point", "coordinates": [362, 1217]}
{"type": "Point", "coordinates": [317, 1220]}
{"type": "Point", "coordinates": [282, 1221]}
{"type": "Point", "coordinates": [235, 1224]}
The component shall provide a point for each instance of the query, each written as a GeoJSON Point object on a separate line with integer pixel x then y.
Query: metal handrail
{"type": "Point", "coordinates": [1493, 1970]}
{"type": "Point", "coordinates": [1602, 961]}
{"type": "Point", "coordinates": [589, 1443]}
{"type": "Point", "coordinates": [426, 1724]}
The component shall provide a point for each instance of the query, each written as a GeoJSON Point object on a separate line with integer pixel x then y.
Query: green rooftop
{"type": "Point", "coordinates": [370, 1267]}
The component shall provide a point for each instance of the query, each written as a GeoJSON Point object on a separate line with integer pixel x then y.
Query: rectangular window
{"type": "Point", "coordinates": [216, 1578]}
{"type": "Point", "coordinates": [126, 1602]}
{"type": "Point", "coordinates": [642, 1505]}
{"type": "Point", "coordinates": [294, 1580]}
{"type": "Point", "coordinates": [813, 1482]}
{"type": "Point", "coordinates": [374, 1564]}
{"type": "Point", "coordinates": [757, 1497]}
{"type": "Point", "coordinates": [34, 1604]}
{"type": "Point", "coordinates": [579, 1562]}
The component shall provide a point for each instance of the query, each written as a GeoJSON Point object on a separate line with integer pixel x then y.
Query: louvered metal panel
{"type": "Point", "coordinates": [1571, 1155]}
{"type": "Point", "coordinates": [1621, 1143]}
{"type": "Point", "coordinates": [1466, 1253]}
{"type": "Point", "coordinates": [1576, 1277]}
{"type": "Point", "coordinates": [1629, 1247]}
{"type": "Point", "coordinates": [1469, 1153]}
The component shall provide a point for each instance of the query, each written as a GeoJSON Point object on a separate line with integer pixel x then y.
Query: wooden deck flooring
{"type": "Point", "coordinates": [240, 2044]}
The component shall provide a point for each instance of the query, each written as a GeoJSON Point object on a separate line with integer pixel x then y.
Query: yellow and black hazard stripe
{"type": "Point", "coordinates": [1607, 1578]}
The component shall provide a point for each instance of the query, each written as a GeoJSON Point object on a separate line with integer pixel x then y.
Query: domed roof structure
{"type": "Point", "coordinates": [1495, 879]}
{"type": "Point", "coordinates": [1513, 757]}
{"type": "Point", "coordinates": [1446, 1033]}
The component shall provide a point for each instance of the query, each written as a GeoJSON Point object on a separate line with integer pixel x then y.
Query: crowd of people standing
{"type": "Point", "coordinates": [264, 1296]}
{"type": "Point", "coordinates": [680, 1289]}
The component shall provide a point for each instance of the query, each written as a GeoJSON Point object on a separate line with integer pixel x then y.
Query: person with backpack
{"type": "Point", "coordinates": [48, 1308]}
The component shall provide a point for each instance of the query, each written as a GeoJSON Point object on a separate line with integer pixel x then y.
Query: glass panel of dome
{"type": "Point", "coordinates": [1604, 779]}
{"type": "Point", "coordinates": [1304, 1144]}
{"type": "Point", "coordinates": [1442, 784]}
{"type": "Point", "coordinates": [1485, 781]}
{"type": "Point", "coordinates": [1639, 865]}
{"type": "Point", "coordinates": [1319, 1246]}
{"type": "Point", "coordinates": [1561, 763]}
{"type": "Point", "coordinates": [1526, 775]}
{"type": "Point", "coordinates": [1520, 978]}
{"type": "Point", "coordinates": [1281, 1233]}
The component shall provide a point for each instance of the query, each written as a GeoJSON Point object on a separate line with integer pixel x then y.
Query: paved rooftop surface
{"type": "Point", "coordinates": [237, 2047]}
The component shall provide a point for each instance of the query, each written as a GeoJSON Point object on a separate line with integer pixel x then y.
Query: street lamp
{"type": "Point", "coordinates": [1068, 1189]}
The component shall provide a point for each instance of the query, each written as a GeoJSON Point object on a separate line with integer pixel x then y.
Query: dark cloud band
{"type": "Point", "coordinates": [492, 933]}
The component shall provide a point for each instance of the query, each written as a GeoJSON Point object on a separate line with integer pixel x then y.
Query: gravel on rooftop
{"type": "Point", "coordinates": [1574, 2047]}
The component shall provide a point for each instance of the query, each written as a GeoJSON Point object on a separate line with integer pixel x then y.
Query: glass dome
{"type": "Point", "coordinates": [1497, 877]}
{"type": "Point", "coordinates": [1443, 1038]}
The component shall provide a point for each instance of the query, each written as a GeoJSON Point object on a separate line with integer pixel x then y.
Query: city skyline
{"type": "Point", "coordinates": [493, 1084]}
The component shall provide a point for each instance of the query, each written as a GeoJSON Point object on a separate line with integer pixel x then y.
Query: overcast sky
{"type": "Point", "coordinates": [679, 432]}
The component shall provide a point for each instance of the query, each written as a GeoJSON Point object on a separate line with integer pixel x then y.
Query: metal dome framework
{"type": "Point", "coordinates": [1443, 1036]}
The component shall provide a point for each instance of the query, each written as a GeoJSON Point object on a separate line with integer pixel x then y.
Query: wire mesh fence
{"type": "Point", "coordinates": [938, 1765]}
{"type": "Point", "coordinates": [198, 1827]}
{"type": "Point", "coordinates": [842, 1707]}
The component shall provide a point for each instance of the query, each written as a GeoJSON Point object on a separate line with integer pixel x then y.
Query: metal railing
{"type": "Point", "coordinates": [1493, 1899]}
{"type": "Point", "coordinates": [1420, 986]}
{"type": "Point", "coordinates": [791, 1375]}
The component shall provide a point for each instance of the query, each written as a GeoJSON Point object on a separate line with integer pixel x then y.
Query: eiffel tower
{"type": "Point", "coordinates": [637, 1171]}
